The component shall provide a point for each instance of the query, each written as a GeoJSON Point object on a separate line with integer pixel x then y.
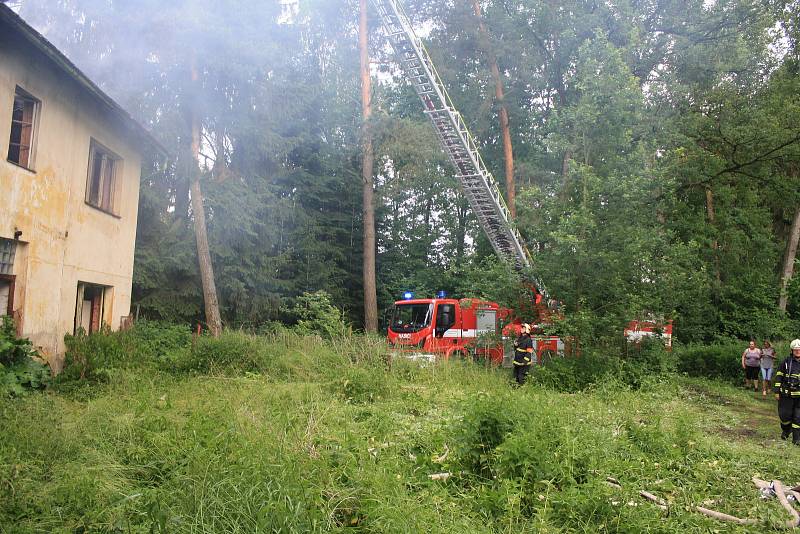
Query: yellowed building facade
{"type": "Point", "coordinates": [69, 189]}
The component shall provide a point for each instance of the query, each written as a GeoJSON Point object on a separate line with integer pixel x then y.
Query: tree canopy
{"type": "Point", "coordinates": [656, 144]}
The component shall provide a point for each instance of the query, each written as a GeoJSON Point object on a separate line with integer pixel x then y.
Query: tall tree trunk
{"type": "Point", "coordinates": [499, 95]}
{"type": "Point", "coordinates": [201, 235]}
{"type": "Point", "coordinates": [788, 260]}
{"type": "Point", "coordinates": [370, 291]}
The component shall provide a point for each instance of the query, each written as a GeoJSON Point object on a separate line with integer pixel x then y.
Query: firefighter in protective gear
{"type": "Point", "coordinates": [787, 391]}
{"type": "Point", "coordinates": [523, 354]}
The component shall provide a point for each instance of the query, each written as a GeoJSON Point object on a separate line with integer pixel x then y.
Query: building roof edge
{"type": "Point", "coordinates": [44, 46]}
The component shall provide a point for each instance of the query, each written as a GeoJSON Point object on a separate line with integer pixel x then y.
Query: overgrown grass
{"type": "Point", "coordinates": [295, 434]}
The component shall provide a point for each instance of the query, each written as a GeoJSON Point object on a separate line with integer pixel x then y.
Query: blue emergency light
{"type": "Point", "coordinates": [441, 294]}
{"type": "Point", "coordinates": [408, 295]}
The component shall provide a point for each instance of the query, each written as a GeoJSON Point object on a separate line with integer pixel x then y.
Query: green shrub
{"type": "Point", "coordinates": [230, 353]}
{"type": "Point", "coordinates": [91, 357]}
{"type": "Point", "coordinates": [544, 453]}
{"type": "Point", "coordinates": [12, 349]}
{"type": "Point", "coordinates": [723, 362]}
{"type": "Point", "coordinates": [645, 363]}
{"type": "Point", "coordinates": [316, 315]}
{"type": "Point", "coordinates": [542, 450]}
{"type": "Point", "coordinates": [577, 374]}
{"type": "Point", "coordinates": [639, 366]}
{"type": "Point", "coordinates": [19, 371]}
{"type": "Point", "coordinates": [156, 340]}
{"type": "Point", "coordinates": [271, 328]}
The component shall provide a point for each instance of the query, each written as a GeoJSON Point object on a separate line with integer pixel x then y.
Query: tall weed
{"type": "Point", "coordinates": [486, 421]}
{"type": "Point", "coordinates": [89, 357]}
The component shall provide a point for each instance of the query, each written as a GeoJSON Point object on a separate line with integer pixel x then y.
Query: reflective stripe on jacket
{"type": "Point", "coordinates": [787, 378]}
{"type": "Point", "coordinates": [523, 350]}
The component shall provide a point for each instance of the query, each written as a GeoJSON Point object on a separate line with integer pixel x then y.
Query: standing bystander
{"type": "Point", "coordinates": [751, 363]}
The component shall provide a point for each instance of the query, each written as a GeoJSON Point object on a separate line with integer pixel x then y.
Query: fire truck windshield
{"type": "Point", "coordinates": [411, 317]}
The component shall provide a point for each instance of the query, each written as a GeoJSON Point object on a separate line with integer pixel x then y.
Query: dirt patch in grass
{"type": "Point", "coordinates": [705, 394]}
{"type": "Point", "coordinates": [738, 432]}
{"type": "Point", "coordinates": [752, 417]}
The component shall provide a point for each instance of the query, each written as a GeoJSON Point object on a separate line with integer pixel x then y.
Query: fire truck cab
{"type": "Point", "coordinates": [445, 327]}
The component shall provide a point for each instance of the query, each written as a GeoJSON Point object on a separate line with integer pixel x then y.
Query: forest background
{"type": "Point", "coordinates": [656, 145]}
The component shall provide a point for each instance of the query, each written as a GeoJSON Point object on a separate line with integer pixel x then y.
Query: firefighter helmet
{"type": "Point", "coordinates": [795, 344]}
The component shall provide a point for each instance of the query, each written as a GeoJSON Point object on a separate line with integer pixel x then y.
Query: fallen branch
{"type": "Point", "coordinates": [724, 517]}
{"type": "Point", "coordinates": [661, 503]}
{"type": "Point", "coordinates": [779, 491]}
{"type": "Point", "coordinates": [658, 501]}
{"type": "Point", "coordinates": [439, 476]}
{"type": "Point", "coordinates": [775, 486]}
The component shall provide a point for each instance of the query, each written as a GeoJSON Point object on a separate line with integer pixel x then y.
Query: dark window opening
{"type": "Point", "coordinates": [101, 184]}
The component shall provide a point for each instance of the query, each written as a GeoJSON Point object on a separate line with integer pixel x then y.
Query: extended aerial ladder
{"type": "Point", "coordinates": [479, 185]}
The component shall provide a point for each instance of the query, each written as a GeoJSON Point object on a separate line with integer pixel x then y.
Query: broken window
{"type": "Point", "coordinates": [102, 180]}
{"type": "Point", "coordinates": [8, 250]}
{"type": "Point", "coordinates": [23, 119]}
{"type": "Point", "coordinates": [89, 307]}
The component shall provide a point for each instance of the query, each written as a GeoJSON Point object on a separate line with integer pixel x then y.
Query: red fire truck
{"type": "Point", "coordinates": [443, 327]}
